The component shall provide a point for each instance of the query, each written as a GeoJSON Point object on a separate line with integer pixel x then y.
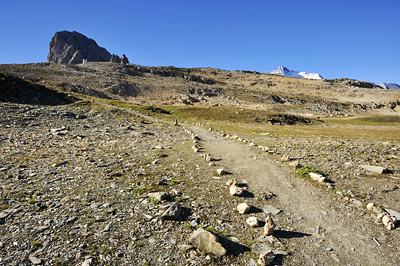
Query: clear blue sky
{"type": "Point", "coordinates": [357, 39]}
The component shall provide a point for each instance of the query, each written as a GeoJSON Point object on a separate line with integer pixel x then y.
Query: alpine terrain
{"type": "Point", "coordinates": [106, 162]}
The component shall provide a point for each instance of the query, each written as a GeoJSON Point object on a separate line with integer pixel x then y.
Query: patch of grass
{"type": "Point", "coordinates": [138, 191]}
{"type": "Point", "coordinates": [35, 243]}
{"type": "Point", "coordinates": [305, 171]}
{"type": "Point", "coordinates": [368, 120]}
{"type": "Point", "coordinates": [32, 201]}
{"type": "Point", "coordinates": [156, 201]}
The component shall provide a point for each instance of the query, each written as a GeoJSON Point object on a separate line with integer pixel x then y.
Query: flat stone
{"type": "Point", "coordinates": [394, 213]}
{"type": "Point", "coordinates": [374, 169]}
{"type": "Point", "coordinates": [357, 202]}
{"type": "Point", "coordinates": [158, 195]}
{"type": "Point", "coordinates": [259, 248]}
{"type": "Point", "coordinates": [173, 212]}
{"type": "Point", "coordinates": [35, 260]}
{"type": "Point", "coordinates": [207, 242]}
{"type": "Point", "coordinates": [184, 247]}
{"type": "Point", "coordinates": [271, 209]}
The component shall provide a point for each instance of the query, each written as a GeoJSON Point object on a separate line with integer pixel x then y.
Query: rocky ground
{"type": "Point", "coordinates": [75, 181]}
{"type": "Point", "coordinates": [74, 185]}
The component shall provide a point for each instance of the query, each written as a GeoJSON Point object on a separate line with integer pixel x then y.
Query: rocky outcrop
{"type": "Point", "coordinates": [115, 59]}
{"type": "Point", "coordinates": [124, 59]}
{"type": "Point", "coordinates": [75, 48]}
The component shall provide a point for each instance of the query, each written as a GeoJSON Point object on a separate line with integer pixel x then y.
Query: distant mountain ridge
{"type": "Point", "coordinates": [281, 70]}
{"type": "Point", "coordinates": [390, 86]}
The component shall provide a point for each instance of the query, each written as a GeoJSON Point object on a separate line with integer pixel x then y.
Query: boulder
{"type": "Point", "coordinates": [259, 248]}
{"type": "Point", "coordinates": [207, 242]}
{"type": "Point", "coordinates": [317, 177]}
{"type": "Point", "coordinates": [253, 221]}
{"type": "Point", "coordinates": [266, 258]}
{"type": "Point", "coordinates": [173, 212]}
{"type": "Point", "coordinates": [235, 191]}
{"type": "Point", "coordinates": [269, 226]}
{"type": "Point", "coordinates": [243, 208]}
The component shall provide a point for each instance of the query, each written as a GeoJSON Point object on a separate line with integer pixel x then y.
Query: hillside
{"type": "Point", "coordinates": [120, 164]}
{"type": "Point", "coordinates": [207, 86]}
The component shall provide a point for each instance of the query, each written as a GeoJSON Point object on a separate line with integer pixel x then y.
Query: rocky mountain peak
{"type": "Point", "coordinates": [75, 48]}
{"type": "Point", "coordinates": [281, 70]}
{"type": "Point", "coordinates": [390, 86]}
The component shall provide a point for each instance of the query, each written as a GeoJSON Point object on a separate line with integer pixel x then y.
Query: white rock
{"type": "Point", "coordinates": [243, 208]}
{"type": "Point", "coordinates": [295, 164]}
{"type": "Point", "coordinates": [231, 182]}
{"type": "Point", "coordinates": [380, 216]}
{"type": "Point", "coordinates": [285, 158]}
{"type": "Point", "coordinates": [235, 191]}
{"type": "Point", "coordinates": [221, 171]}
{"type": "Point", "coordinates": [317, 177]}
{"type": "Point", "coordinates": [370, 206]}
{"type": "Point", "coordinates": [87, 262]}
{"type": "Point", "coordinates": [386, 219]}
{"type": "Point", "coordinates": [253, 221]}
{"type": "Point", "coordinates": [390, 226]}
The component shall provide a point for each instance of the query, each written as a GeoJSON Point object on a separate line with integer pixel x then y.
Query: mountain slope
{"type": "Point", "coordinates": [390, 86]}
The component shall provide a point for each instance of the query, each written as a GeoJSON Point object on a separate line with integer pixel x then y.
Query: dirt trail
{"type": "Point", "coordinates": [325, 229]}
{"type": "Point", "coordinates": [329, 231]}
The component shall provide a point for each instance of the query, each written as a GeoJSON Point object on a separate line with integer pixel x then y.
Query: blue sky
{"type": "Point", "coordinates": [357, 39]}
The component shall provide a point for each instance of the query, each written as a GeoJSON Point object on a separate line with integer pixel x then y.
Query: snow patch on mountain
{"type": "Point", "coordinates": [390, 86]}
{"type": "Point", "coordinates": [281, 70]}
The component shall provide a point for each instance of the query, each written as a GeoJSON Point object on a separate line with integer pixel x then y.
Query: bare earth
{"type": "Point", "coordinates": [319, 226]}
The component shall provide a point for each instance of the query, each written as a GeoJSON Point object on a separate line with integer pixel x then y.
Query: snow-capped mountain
{"type": "Point", "coordinates": [390, 86]}
{"type": "Point", "coordinates": [281, 70]}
